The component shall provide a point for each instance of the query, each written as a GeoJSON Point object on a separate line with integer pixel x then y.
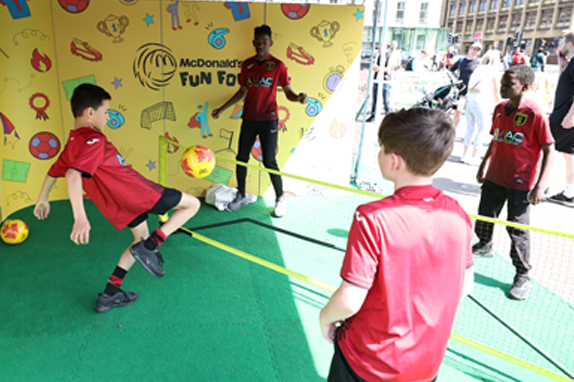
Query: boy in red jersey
{"type": "Point", "coordinates": [90, 161]}
{"type": "Point", "coordinates": [259, 78]}
{"type": "Point", "coordinates": [408, 262]}
{"type": "Point", "coordinates": [520, 135]}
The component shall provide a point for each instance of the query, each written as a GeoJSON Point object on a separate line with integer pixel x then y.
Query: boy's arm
{"type": "Point", "coordinates": [294, 97]}
{"type": "Point", "coordinates": [568, 121]}
{"type": "Point", "coordinates": [42, 208]}
{"type": "Point", "coordinates": [548, 155]}
{"type": "Point", "coordinates": [345, 302]}
{"type": "Point", "coordinates": [238, 96]}
{"type": "Point", "coordinates": [81, 231]}
{"type": "Point", "coordinates": [468, 282]}
{"type": "Point", "coordinates": [480, 174]}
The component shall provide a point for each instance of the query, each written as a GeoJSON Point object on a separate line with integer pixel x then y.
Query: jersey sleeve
{"type": "Point", "coordinates": [90, 155]}
{"type": "Point", "coordinates": [242, 76]}
{"type": "Point", "coordinates": [363, 252]}
{"type": "Point", "coordinates": [494, 118]}
{"type": "Point", "coordinates": [283, 76]}
{"type": "Point", "coordinates": [59, 168]}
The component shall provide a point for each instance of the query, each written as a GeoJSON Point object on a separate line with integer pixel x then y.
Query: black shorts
{"type": "Point", "coordinates": [341, 371]}
{"type": "Point", "coordinates": [564, 138]}
{"type": "Point", "coordinates": [169, 199]}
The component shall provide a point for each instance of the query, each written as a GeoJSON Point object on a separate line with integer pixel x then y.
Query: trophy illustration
{"type": "Point", "coordinates": [114, 26]}
{"type": "Point", "coordinates": [325, 32]}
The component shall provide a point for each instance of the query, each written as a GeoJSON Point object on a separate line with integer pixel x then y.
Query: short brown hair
{"type": "Point", "coordinates": [423, 137]}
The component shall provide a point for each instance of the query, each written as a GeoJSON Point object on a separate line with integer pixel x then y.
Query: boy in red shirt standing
{"type": "Point", "coordinates": [92, 163]}
{"type": "Point", "coordinates": [520, 135]}
{"type": "Point", "coordinates": [259, 78]}
{"type": "Point", "coordinates": [408, 262]}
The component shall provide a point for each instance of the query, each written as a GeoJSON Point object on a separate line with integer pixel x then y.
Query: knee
{"type": "Point", "coordinates": [190, 203]}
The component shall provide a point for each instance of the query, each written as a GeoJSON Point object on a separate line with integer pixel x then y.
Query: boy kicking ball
{"type": "Point", "coordinates": [520, 137]}
{"type": "Point", "coordinates": [90, 162]}
{"type": "Point", "coordinates": [408, 262]}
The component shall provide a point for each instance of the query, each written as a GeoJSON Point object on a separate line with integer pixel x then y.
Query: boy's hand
{"type": "Point", "coordinates": [215, 113]}
{"type": "Point", "coordinates": [81, 232]}
{"type": "Point", "coordinates": [568, 121]}
{"type": "Point", "coordinates": [328, 331]}
{"type": "Point", "coordinates": [536, 195]}
{"type": "Point", "coordinates": [480, 173]}
{"type": "Point", "coordinates": [302, 97]}
{"type": "Point", "coordinates": [42, 209]}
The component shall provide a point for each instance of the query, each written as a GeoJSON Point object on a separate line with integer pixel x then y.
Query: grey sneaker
{"type": "Point", "coordinates": [151, 260]}
{"type": "Point", "coordinates": [562, 199]}
{"type": "Point", "coordinates": [483, 250]}
{"type": "Point", "coordinates": [106, 302]}
{"type": "Point", "coordinates": [520, 288]}
{"type": "Point", "coordinates": [237, 203]}
{"type": "Point", "coordinates": [280, 207]}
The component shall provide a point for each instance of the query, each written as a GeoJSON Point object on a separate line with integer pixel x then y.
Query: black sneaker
{"type": "Point", "coordinates": [237, 203]}
{"type": "Point", "coordinates": [151, 260]}
{"type": "Point", "coordinates": [520, 288]}
{"type": "Point", "coordinates": [562, 199]}
{"type": "Point", "coordinates": [106, 302]}
{"type": "Point", "coordinates": [370, 119]}
{"type": "Point", "coordinates": [482, 250]}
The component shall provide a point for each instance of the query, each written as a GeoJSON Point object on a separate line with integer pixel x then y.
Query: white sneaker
{"type": "Point", "coordinates": [280, 207]}
{"type": "Point", "coordinates": [463, 159]}
{"type": "Point", "coordinates": [474, 161]}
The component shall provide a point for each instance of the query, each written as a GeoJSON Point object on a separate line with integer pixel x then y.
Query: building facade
{"type": "Point", "coordinates": [414, 24]}
{"type": "Point", "coordinates": [498, 23]}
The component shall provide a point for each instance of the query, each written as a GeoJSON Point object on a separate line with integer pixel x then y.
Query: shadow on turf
{"type": "Point", "coordinates": [448, 185]}
{"type": "Point", "coordinates": [474, 365]}
{"type": "Point", "coordinates": [491, 282]}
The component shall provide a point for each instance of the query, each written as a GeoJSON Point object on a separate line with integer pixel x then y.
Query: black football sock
{"type": "Point", "coordinates": [115, 281]}
{"type": "Point", "coordinates": [154, 240]}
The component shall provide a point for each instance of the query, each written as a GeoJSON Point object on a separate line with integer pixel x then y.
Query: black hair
{"type": "Point", "coordinates": [88, 95]}
{"type": "Point", "coordinates": [263, 29]}
{"type": "Point", "coordinates": [524, 73]}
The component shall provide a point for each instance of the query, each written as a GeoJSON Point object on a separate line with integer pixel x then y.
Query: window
{"type": "Point", "coordinates": [505, 4]}
{"type": "Point", "coordinates": [493, 5]}
{"type": "Point", "coordinates": [421, 41]}
{"type": "Point", "coordinates": [502, 23]}
{"type": "Point", "coordinates": [449, 25]}
{"type": "Point", "coordinates": [424, 13]}
{"type": "Point", "coordinates": [472, 6]}
{"type": "Point", "coordinates": [468, 27]}
{"type": "Point", "coordinates": [482, 6]}
{"type": "Point", "coordinates": [490, 24]}
{"type": "Point", "coordinates": [400, 12]}
{"type": "Point", "coordinates": [546, 19]}
{"type": "Point", "coordinates": [564, 17]}
{"type": "Point", "coordinates": [458, 27]}
{"type": "Point", "coordinates": [453, 10]}
{"type": "Point", "coordinates": [533, 2]}
{"type": "Point", "coordinates": [479, 25]}
{"type": "Point", "coordinates": [530, 20]}
{"type": "Point", "coordinates": [519, 3]}
{"type": "Point", "coordinates": [462, 9]}
{"type": "Point", "coordinates": [515, 23]}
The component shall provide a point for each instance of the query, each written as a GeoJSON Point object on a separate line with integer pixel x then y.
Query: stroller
{"type": "Point", "coordinates": [444, 98]}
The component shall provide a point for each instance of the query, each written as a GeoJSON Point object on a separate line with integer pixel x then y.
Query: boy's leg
{"type": "Point", "coordinates": [519, 212]}
{"type": "Point", "coordinates": [492, 200]}
{"type": "Point", "coordinates": [247, 137]}
{"type": "Point", "coordinates": [268, 134]}
{"type": "Point", "coordinates": [146, 251]}
{"type": "Point", "coordinates": [113, 296]}
{"type": "Point", "coordinates": [387, 98]}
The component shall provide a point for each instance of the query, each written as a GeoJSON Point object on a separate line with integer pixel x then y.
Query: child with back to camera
{"type": "Point", "coordinates": [521, 135]}
{"type": "Point", "coordinates": [407, 265]}
{"type": "Point", "coordinates": [90, 162]}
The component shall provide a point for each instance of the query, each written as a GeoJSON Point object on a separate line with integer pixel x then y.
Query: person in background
{"type": "Point", "coordinates": [538, 60]}
{"type": "Point", "coordinates": [392, 63]}
{"type": "Point", "coordinates": [482, 90]}
{"type": "Point", "coordinates": [465, 66]}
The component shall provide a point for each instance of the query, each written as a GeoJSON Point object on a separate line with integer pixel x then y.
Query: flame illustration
{"type": "Point", "coordinates": [41, 63]}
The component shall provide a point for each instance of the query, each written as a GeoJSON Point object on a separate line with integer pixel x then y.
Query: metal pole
{"type": "Point", "coordinates": [377, 7]}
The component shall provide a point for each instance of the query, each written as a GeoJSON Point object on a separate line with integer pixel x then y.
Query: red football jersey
{"type": "Point", "coordinates": [516, 145]}
{"type": "Point", "coordinates": [262, 79]}
{"type": "Point", "coordinates": [411, 250]}
{"type": "Point", "coordinates": [119, 192]}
